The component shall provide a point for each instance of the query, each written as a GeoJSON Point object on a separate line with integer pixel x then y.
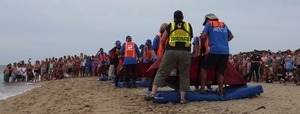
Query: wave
{"type": "Point", "coordinates": [12, 89]}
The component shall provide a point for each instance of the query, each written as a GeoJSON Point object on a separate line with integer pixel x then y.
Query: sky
{"type": "Point", "coordinates": [40, 29]}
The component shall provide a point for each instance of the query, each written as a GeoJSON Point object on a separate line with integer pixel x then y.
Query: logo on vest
{"type": "Point", "coordinates": [179, 25]}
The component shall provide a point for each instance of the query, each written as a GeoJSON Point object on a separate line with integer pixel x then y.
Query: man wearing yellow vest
{"type": "Point", "coordinates": [178, 46]}
{"type": "Point", "coordinates": [219, 35]}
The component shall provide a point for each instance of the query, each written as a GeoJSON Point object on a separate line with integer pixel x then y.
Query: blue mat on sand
{"type": "Point", "coordinates": [230, 93]}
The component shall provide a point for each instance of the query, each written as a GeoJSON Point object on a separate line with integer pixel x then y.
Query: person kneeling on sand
{"type": "Point", "coordinates": [280, 74]}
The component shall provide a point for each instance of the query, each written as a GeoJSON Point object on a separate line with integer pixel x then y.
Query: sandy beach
{"type": "Point", "coordinates": [89, 96]}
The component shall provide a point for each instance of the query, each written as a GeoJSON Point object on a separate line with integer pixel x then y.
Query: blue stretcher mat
{"type": "Point", "coordinates": [230, 93]}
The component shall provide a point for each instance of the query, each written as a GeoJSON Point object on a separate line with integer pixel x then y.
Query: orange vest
{"type": "Point", "coordinates": [216, 24]}
{"type": "Point", "coordinates": [160, 50]}
{"type": "Point", "coordinates": [102, 57]}
{"type": "Point", "coordinates": [129, 50]}
{"type": "Point", "coordinates": [147, 54]}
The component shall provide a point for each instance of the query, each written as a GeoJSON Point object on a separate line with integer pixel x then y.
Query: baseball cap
{"type": "Point", "coordinates": [118, 42]}
{"type": "Point", "coordinates": [128, 37]}
{"type": "Point", "coordinates": [148, 41]}
{"type": "Point", "coordinates": [142, 46]}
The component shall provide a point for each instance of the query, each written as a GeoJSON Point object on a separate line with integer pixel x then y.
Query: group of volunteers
{"type": "Point", "coordinates": [172, 45]}
{"type": "Point", "coordinates": [176, 42]}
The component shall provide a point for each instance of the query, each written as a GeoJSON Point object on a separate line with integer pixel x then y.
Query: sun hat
{"type": "Point", "coordinates": [209, 16]}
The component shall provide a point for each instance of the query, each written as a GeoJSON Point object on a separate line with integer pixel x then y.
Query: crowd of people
{"type": "Point", "coordinates": [173, 44]}
{"type": "Point", "coordinates": [268, 66]}
{"type": "Point", "coordinates": [101, 64]}
{"type": "Point", "coordinates": [48, 69]}
{"type": "Point", "coordinates": [256, 66]}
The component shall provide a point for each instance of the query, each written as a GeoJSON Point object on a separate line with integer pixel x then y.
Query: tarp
{"type": "Point", "coordinates": [231, 75]}
{"type": "Point", "coordinates": [141, 69]}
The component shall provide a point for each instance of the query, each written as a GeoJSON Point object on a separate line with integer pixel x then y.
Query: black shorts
{"type": "Point", "coordinates": [37, 71]}
{"type": "Point", "coordinates": [70, 70]}
{"type": "Point", "coordinates": [217, 62]}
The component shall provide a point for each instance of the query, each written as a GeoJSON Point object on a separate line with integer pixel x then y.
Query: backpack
{"type": "Point", "coordinates": [112, 54]}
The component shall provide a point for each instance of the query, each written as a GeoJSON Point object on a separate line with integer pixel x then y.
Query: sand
{"type": "Point", "coordinates": [88, 96]}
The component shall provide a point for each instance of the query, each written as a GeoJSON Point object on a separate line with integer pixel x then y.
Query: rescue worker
{"type": "Point", "coordinates": [200, 50]}
{"type": "Point", "coordinates": [103, 61]}
{"type": "Point", "coordinates": [217, 58]}
{"type": "Point", "coordinates": [114, 59]}
{"type": "Point", "coordinates": [178, 35]}
{"type": "Point", "coordinates": [157, 50]}
{"type": "Point", "coordinates": [147, 55]}
{"type": "Point", "coordinates": [131, 53]}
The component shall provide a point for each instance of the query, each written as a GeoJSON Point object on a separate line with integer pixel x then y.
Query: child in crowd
{"type": "Point", "coordinates": [268, 74]}
{"type": "Point", "coordinates": [280, 74]}
{"type": "Point", "coordinates": [248, 68]}
{"type": "Point", "coordinates": [88, 66]}
{"type": "Point", "coordinates": [94, 65]}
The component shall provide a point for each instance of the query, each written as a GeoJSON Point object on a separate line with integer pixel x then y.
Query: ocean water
{"type": "Point", "coordinates": [11, 89]}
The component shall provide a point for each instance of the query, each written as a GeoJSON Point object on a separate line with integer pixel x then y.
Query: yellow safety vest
{"type": "Point", "coordinates": [180, 34]}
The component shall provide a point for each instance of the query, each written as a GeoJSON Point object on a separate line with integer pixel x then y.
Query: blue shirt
{"type": "Point", "coordinates": [289, 63]}
{"type": "Point", "coordinates": [88, 63]}
{"type": "Point", "coordinates": [195, 41]}
{"type": "Point", "coordinates": [155, 44]}
{"type": "Point", "coordinates": [130, 60]}
{"type": "Point", "coordinates": [218, 38]}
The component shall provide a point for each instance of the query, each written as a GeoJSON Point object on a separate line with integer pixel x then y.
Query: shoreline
{"type": "Point", "coordinates": [18, 93]}
{"type": "Point", "coordinates": [87, 95]}
{"type": "Point", "coordinates": [8, 90]}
